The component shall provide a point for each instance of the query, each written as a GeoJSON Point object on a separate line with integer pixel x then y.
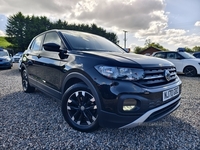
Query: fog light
{"type": "Point", "coordinates": [129, 104]}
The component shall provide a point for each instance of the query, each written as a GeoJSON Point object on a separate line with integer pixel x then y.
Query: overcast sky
{"type": "Point", "coordinates": [171, 23]}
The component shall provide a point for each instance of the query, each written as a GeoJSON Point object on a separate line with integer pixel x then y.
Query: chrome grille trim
{"type": "Point", "coordinates": [156, 76]}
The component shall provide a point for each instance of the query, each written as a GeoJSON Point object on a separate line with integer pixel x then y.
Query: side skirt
{"type": "Point", "coordinates": [49, 91]}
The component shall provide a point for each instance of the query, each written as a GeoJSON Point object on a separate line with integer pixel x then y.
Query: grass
{"type": "Point", "coordinates": [4, 43]}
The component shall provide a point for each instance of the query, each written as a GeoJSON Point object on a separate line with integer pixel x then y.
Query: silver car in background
{"type": "Point", "coordinates": [5, 59]}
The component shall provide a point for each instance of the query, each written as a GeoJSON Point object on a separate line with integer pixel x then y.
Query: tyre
{"type": "Point", "coordinates": [190, 71]}
{"type": "Point", "coordinates": [79, 108]}
{"type": "Point", "coordinates": [25, 83]}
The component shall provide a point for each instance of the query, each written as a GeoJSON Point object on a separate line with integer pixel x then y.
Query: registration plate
{"type": "Point", "coordinates": [170, 93]}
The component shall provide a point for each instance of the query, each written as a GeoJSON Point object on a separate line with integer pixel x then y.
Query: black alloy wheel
{"type": "Point", "coordinates": [25, 83]}
{"type": "Point", "coordinates": [190, 71]}
{"type": "Point", "coordinates": [79, 108]}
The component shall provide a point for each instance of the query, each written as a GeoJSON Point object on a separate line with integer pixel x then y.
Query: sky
{"type": "Point", "coordinates": [171, 23]}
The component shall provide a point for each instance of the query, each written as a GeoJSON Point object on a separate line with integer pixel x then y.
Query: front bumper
{"type": "Point", "coordinates": [5, 64]}
{"type": "Point", "coordinates": [151, 106]}
{"type": "Point", "coordinates": [16, 60]}
{"type": "Point", "coordinates": [160, 112]}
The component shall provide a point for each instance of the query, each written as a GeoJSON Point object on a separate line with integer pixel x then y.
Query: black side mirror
{"type": "Point", "coordinates": [52, 47]}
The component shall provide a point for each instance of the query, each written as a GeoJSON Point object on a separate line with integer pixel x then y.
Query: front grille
{"type": "Point", "coordinates": [156, 76]}
{"type": "Point", "coordinates": [16, 59]}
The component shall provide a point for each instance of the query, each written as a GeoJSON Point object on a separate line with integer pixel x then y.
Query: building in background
{"type": "Point", "coordinates": [150, 50]}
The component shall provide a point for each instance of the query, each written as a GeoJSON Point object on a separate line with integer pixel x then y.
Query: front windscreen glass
{"type": "Point", "coordinates": [88, 42]}
{"type": "Point", "coordinates": [3, 53]}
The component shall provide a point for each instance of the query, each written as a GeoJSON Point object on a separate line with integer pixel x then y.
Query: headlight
{"type": "Point", "coordinates": [121, 73]}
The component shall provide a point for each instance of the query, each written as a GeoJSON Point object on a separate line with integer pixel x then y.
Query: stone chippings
{"type": "Point", "coordinates": [34, 121]}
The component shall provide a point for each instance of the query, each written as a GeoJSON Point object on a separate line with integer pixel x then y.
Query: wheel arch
{"type": "Point", "coordinates": [81, 77]}
{"type": "Point", "coordinates": [191, 66]}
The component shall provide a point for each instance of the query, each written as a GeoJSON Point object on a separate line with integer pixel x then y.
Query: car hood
{"type": "Point", "coordinates": [194, 59]}
{"type": "Point", "coordinates": [132, 59]}
{"type": "Point", "coordinates": [4, 57]}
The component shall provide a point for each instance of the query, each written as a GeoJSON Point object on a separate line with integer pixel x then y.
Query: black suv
{"type": "Point", "coordinates": [98, 82]}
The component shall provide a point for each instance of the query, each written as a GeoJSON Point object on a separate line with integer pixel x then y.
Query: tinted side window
{"type": "Point", "coordinates": [174, 56]}
{"type": "Point", "coordinates": [171, 56]}
{"type": "Point", "coordinates": [52, 37]}
{"type": "Point", "coordinates": [178, 56]}
{"type": "Point", "coordinates": [37, 43]}
{"type": "Point", "coordinates": [160, 55]}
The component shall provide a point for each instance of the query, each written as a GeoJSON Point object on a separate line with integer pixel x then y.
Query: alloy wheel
{"type": "Point", "coordinates": [82, 109]}
{"type": "Point", "coordinates": [190, 71]}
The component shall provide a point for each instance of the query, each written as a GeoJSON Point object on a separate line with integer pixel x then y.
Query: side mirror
{"type": "Point", "coordinates": [52, 47]}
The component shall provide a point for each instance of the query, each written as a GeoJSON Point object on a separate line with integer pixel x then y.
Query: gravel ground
{"type": "Point", "coordinates": [34, 121]}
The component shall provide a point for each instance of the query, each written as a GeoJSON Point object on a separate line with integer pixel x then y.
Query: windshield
{"type": "Point", "coordinates": [187, 55]}
{"type": "Point", "coordinates": [84, 41]}
{"type": "Point", "coordinates": [3, 53]}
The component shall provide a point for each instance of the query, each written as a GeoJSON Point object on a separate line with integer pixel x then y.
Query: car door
{"type": "Point", "coordinates": [50, 68]}
{"type": "Point", "coordinates": [176, 59]}
{"type": "Point", "coordinates": [32, 58]}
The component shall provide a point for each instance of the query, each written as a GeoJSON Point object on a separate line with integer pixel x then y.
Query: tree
{"type": "Point", "coordinates": [15, 30]}
{"type": "Point", "coordinates": [189, 50]}
{"type": "Point", "coordinates": [148, 43]}
{"type": "Point", "coordinates": [35, 25]}
{"type": "Point", "coordinates": [138, 49]}
{"type": "Point", "coordinates": [196, 49]}
{"type": "Point", "coordinates": [21, 29]}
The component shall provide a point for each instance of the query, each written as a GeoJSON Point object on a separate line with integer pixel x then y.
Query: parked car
{"type": "Point", "coordinates": [184, 62]}
{"type": "Point", "coordinates": [5, 59]}
{"type": "Point", "coordinates": [19, 63]}
{"type": "Point", "coordinates": [98, 82]}
{"type": "Point", "coordinates": [17, 56]}
{"type": "Point", "coordinates": [196, 54]}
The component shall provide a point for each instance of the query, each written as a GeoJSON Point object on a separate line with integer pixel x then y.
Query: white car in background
{"type": "Point", "coordinates": [19, 64]}
{"type": "Point", "coordinates": [17, 56]}
{"type": "Point", "coordinates": [184, 62]}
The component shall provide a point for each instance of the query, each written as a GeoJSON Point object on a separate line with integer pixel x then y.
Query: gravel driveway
{"type": "Point", "coordinates": [34, 121]}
